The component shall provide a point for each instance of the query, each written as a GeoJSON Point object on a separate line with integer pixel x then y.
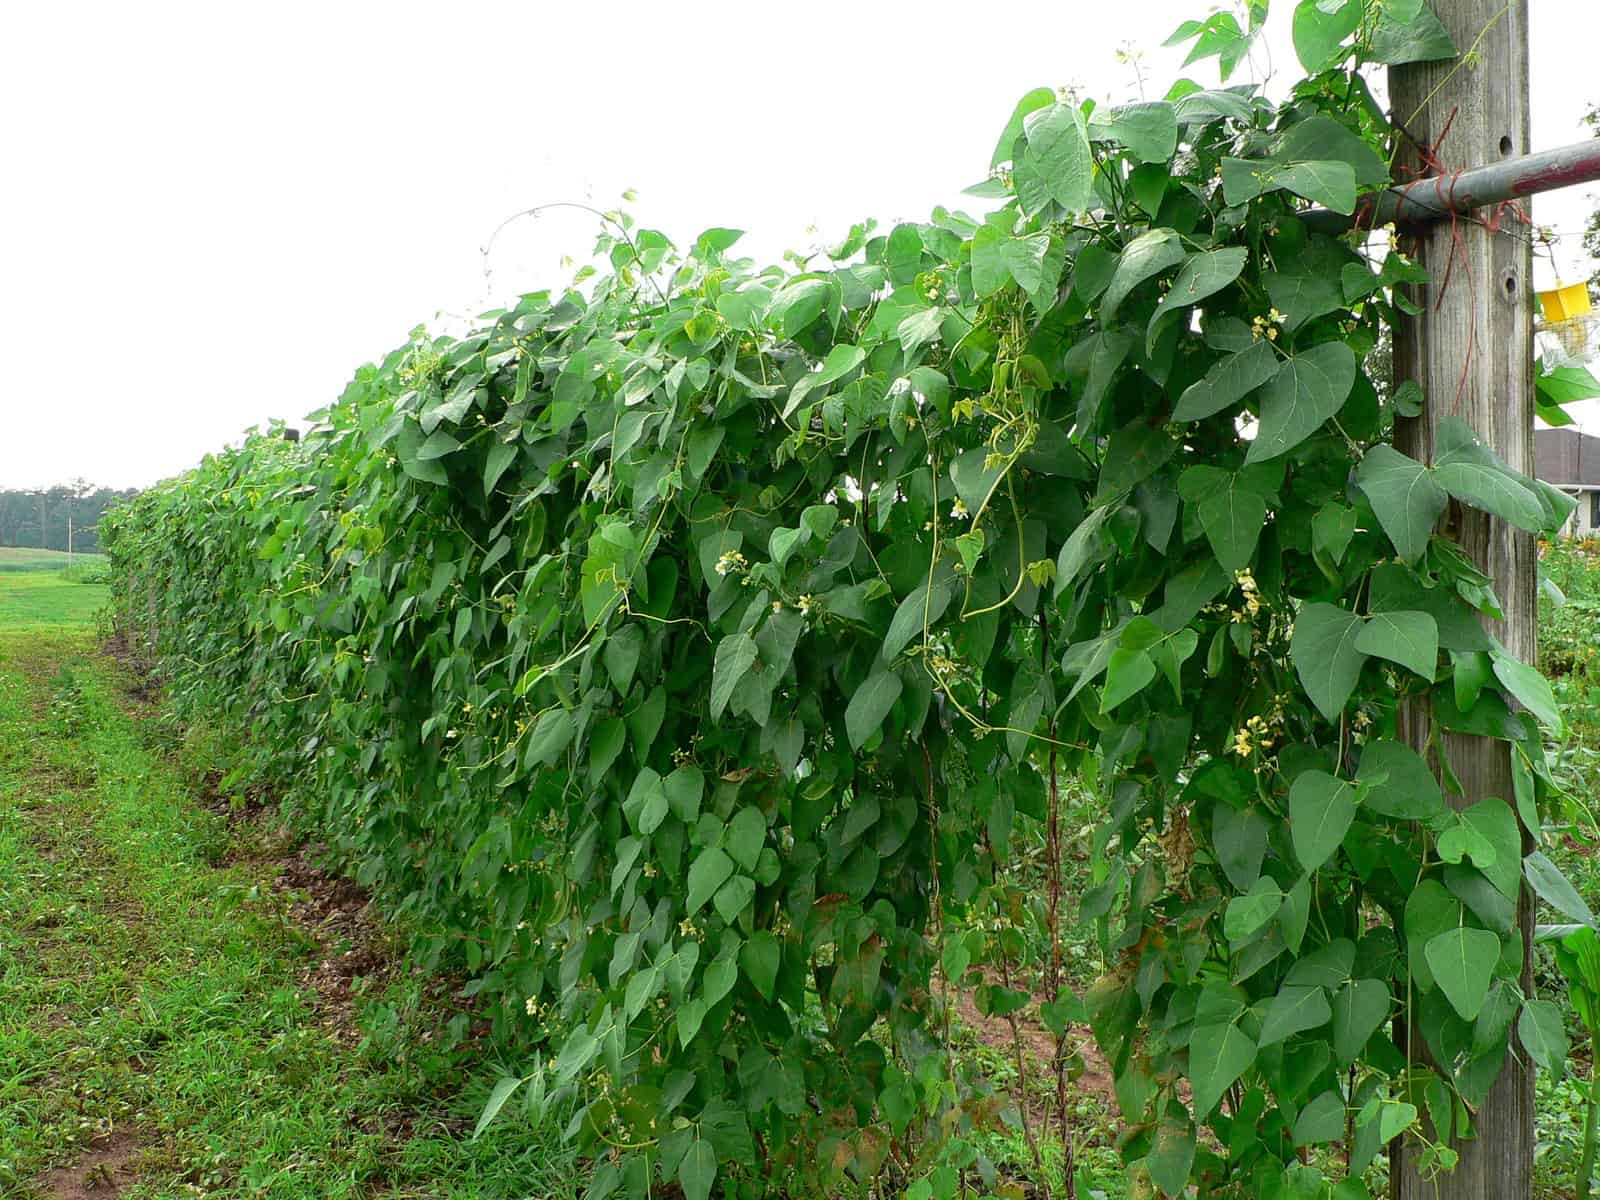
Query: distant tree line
{"type": "Point", "coordinates": [40, 517]}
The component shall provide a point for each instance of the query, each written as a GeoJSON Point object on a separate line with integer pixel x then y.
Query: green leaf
{"type": "Point", "coordinates": [734, 897]}
{"type": "Point", "coordinates": [1470, 472]}
{"type": "Point", "coordinates": [1319, 33]}
{"type": "Point", "coordinates": [605, 744]}
{"type": "Point", "coordinates": [1359, 1008]}
{"type": "Point", "coordinates": [840, 362]}
{"type": "Point", "coordinates": [1127, 673]}
{"type": "Point", "coordinates": [550, 738]}
{"type": "Point", "coordinates": [745, 308]}
{"type": "Point", "coordinates": [1305, 289]}
{"type": "Point", "coordinates": [1531, 688]}
{"type": "Point", "coordinates": [1058, 151]}
{"type": "Point", "coordinates": [1321, 1121]}
{"type": "Point", "coordinates": [870, 705]}
{"type": "Point", "coordinates": [1416, 37]}
{"type": "Point", "coordinates": [1332, 528]}
{"type": "Point", "coordinates": [1462, 961]}
{"type": "Point", "coordinates": [1430, 910]}
{"type": "Point", "coordinates": [782, 543]}
{"type": "Point", "coordinates": [1202, 275]}
{"type": "Point", "coordinates": [1056, 1014]}
{"type": "Point", "coordinates": [1321, 808]}
{"type": "Point", "coordinates": [709, 871]}
{"type": "Point", "coordinates": [1472, 670]}
{"type": "Point", "coordinates": [747, 833]}
{"type": "Point", "coordinates": [976, 473]}
{"type": "Point", "coordinates": [653, 806]}
{"type": "Point", "coordinates": [736, 654]}
{"type": "Point", "coordinates": [720, 976]}
{"type": "Point", "coordinates": [1170, 655]}
{"type": "Point", "coordinates": [1404, 496]}
{"type": "Point", "coordinates": [501, 1092]}
{"type": "Point", "coordinates": [1394, 1118]}
{"type": "Point", "coordinates": [819, 519]}
{"type": "Point", "coordinates": [1327, 966]}
{"type": "Point", "coordinates": [1247, 914]}
{"type": "Point", "coordinates": [799, 304]}
{"type": "Point", "coordinates": [1321, 138]}
{"type": "Point", "coordinates": [1218, 1055]}
{"type": "Point", "coordinates": [1462, 841]}
{"type": "Point", "coordinates": [1397, 782]}
{"type": "Point", "coordinates": [1245, 179]}
{"type": "Point", "coordinates": [920, 328]}
{"type": "Point", "coordinates": [438, 445]}
{"type": "Point", "coordinates": [1555, 889]}
{"type": "Point", "coordinates": [1149, 130]}
{"type": "Point", "coordinates": [501, 455]}
{"type": "Point", "coordinates": [1293, 1010]}
{"type": "Point", "coordinates": [918, 609]}
{"type": "Point", "coordinates": [1307, 390]}
{"type": "Point", "coordinates": [1171, 1157]}
{"type": "Point", "coordinates": [1330, 184]}
{"type": "Point", "coordinates": [621, 654]}
{"type": "Point", "coordinates": [1543, 1034]}
{"type": "Point", "coordinates": [702, 448]}
{"type": "Point", "coordinates": [1026, 260]}
{"type": "Point", "coordinates": [1040, 97]}
{"type": "Point", "coordinates": [989, 270]}
{"type": "Point", "coordinates": [1325, 655]}
{"type": "Point", "coordinates": [1496, 825]}
{"type": "Point", "coordinates": [1566, 385]}
{"type": "Point", "coordinates": [760, 957]}
{"type": "Point", "coordinates": [1207, 105]}
{"type": "Point", "coordinates": [698, 1170]}
{"type": "Point", "coordinates": [1081, 549]}
{"type": "Point", "coordinates": [1232, 509]}
{"type": "Point", "coordinates": [1230, 381]}
{"type": "Point", "coordinates": [1408, 638]}
{"type": "Point", "coordinates": [1149, 254]}
{"type": "Point", "coordinates": [683, 790]}
{"type": "Point", "coordinates": [691, 1015]}
{"type": "Point", "coordinates": [1239, 838]}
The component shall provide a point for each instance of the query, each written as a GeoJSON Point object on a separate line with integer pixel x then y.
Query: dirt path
{"type": "Point", "coordinates": [189, 1006]}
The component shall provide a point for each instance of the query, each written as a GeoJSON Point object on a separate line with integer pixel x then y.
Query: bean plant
{"type": "Point", "coordinates": [678, 652]}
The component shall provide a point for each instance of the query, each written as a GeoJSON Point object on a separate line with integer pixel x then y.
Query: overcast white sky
{"type": "Point", "coordinates": [212, 213]}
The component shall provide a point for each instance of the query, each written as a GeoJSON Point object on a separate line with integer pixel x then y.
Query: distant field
{"type": "Point", "coordinates": [36, 597]}
{"type": "Point", "coordinates": [25, 558]}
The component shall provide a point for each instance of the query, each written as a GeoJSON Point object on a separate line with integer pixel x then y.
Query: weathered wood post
{"type": "Point", "coordinates": [1471, 350]}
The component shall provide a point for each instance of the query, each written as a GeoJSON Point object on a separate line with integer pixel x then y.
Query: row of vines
{"type": "Point", "coordinates": [680, 652]}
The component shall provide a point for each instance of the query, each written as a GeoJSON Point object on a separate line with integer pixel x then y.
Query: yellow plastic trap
{"type": "Point", "coordinates": [1564, 303]}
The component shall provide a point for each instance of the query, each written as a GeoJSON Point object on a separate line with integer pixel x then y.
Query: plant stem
{"type": "Point", "coordinates": [1586, 1169]}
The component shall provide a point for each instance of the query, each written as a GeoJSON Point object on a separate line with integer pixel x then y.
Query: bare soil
{"type": "Point", "coordinates": [105, 1169]}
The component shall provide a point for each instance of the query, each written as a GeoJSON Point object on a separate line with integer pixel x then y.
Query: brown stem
{"type": "Point", "coordinates": [1022, 1080]}
{"type": "Point", "coordinates": [937, 901]}
{"type": "Point", "coordinates": [1053, 871]}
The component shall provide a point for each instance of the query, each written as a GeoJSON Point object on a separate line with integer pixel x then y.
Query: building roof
{"type": "Point", "coordinates": [1565, 456]}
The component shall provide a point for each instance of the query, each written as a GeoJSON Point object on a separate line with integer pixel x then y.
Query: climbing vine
{"type": "Point", "coordinates": [680, 650]}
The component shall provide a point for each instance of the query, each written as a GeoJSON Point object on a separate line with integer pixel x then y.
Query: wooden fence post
{"type": "Point", "coordinates": [1471, 349]}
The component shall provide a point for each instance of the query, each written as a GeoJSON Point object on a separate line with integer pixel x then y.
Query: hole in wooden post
{"type": "Point", "coordinates": [1511, 287]}
{"type": "Point", "coordinates": [1505, 146]}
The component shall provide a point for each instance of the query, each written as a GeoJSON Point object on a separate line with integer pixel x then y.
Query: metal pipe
{"type": "Point", "coordinates": [1438, 196]}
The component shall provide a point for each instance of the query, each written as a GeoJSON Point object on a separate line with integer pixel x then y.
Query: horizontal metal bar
{"type": "Point", "coordinates": [1438, 196]}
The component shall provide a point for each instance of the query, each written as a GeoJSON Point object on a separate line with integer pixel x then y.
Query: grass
{"type": "Point", "coordinates": [159, 1005]}
{"type": "Point", "coordinates": [46, 599]}
{"type": "Point", "coordinates": [26, 558]}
